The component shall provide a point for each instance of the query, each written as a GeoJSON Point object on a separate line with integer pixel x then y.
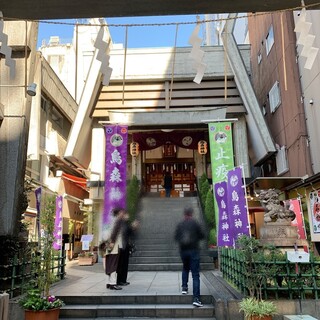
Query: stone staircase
{"type": "Point", "coordinates": [158, 307]}
{"type": "Point", "coordinates": [156, 249]}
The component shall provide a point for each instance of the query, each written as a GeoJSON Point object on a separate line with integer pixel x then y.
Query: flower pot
{"type": "Point", "coordinates": [85, 261]}
{"type": "Point", "coordinates": [261, 318]}
{"type": "Point", "coordinates": [51, 314]}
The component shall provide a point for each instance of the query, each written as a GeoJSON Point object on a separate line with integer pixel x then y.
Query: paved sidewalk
{"type": "Point", "coordinates": [91, 281]}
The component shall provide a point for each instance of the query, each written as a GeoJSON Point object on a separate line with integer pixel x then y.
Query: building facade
{"type": "Point", "coordinates": [287, 97]}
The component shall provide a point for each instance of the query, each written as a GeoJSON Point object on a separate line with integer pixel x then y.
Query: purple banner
{"type": "Point", "coordinates": [57, 233]}
{"type": "Point", "coordinates": [115, 171]}
{"type": "Point", "coordinates": [221, 196]}
{"type": "Point", "coordinates": [237, 205]}
{"type": "Point", "coordinates": [38, 193]}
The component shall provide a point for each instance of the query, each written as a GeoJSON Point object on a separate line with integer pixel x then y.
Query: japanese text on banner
{"type": "Point", "coordinates": [115, 171]}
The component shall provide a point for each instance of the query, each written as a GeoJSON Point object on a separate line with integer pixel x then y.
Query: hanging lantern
{"type": "Point", "coordinates": [134, 149]}
{"type": "Point", "coordinates": [202, 147]}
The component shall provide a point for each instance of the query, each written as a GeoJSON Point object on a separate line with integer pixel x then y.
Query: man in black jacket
{"type": "Point", "coordinates": [188, 234]}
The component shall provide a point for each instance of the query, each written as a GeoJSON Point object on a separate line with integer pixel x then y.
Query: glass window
{"type": "Point", "coordinates": [269, 40]}
{"type": "Point", "coordinates": [274, 97]}
{"type": "Point", "coordinates": [282, 160]}
{"type": "Point", "coordinates": [259, 57]}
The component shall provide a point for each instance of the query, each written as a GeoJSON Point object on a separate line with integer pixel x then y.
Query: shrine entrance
{"type": "Point", "coordinates": [183, 178]}
{"type": "Point", "coordinates": [171, 150]}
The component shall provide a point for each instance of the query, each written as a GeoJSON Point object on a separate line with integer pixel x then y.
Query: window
{"type": "Point", "coordinates": [264, 109]}
{"type": "Point", "coordinates": [281, 160]}
{"type": "Point", "coordinates": [259, 57]}
{"type": "Point", "coordinates": [269, 40]}
{"type": "Point", "coordinates": [274, 97]}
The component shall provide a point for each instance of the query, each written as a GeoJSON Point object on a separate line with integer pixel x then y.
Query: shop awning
{"type": "Point", "coordinates": [80, 182]}
{"type": "Point", "coordinates": [280, 183]}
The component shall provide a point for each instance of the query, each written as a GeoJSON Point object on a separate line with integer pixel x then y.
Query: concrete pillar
{"type": "Point", "coordinates": [240, 141]}
{"type": "Point", "coordinates": [22, 38]}
{"type": "Point", "coordinates": [97, 163]}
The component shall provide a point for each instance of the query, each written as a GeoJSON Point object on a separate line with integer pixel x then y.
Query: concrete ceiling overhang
{"type": "Point", "coordinates": [280, 183]}
{"type": "Point", "coordinates": [61, 9]}
{"type": "Point", "coordinates": [163, 118]}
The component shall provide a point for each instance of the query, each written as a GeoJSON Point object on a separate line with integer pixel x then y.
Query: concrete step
{"type": "Point", "coordinates": [167, 267]}
{"type": "Point", "coordinates": [130, 318]}
{"type": "Point", "coordinates": [163, 259]}
{"type": "Point", "coordinates": [137, 311]}
{"type": "Point", "coordinates": [128, 306]}
{"type": "Point", "coordinates": [161, 253]}
{"type": "Point", "coordinates": [133, 299]}
{"type": "Point", "coordinates": [156, 249]}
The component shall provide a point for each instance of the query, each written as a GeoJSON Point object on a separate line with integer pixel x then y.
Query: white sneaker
{"type": "Point", "coordinates": [197, 303]}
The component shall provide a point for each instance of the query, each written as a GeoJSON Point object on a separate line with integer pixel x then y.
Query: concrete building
{"type": "Point", "coordinates": [288, 98]}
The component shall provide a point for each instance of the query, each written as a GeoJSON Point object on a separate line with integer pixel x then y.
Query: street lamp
{"type": "Point", "coordinates": [30, 90]}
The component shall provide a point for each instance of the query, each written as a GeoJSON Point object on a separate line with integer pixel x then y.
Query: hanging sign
{"type": "Point", "coordinates": [115, 172]}
{"type": "Point", "coordinates": [232, 208]}
{"type": "Point", "coordinates": [221, 150]}
{"type": "Point", "coordinates": [314, 198]}
{"type": "Point", "coordinates": [237, 205]}
{"type": "Point", "coordinates": [38, 193]}
{"type": "Point", "coordinates": [57, 244]}
{"type": "Point", "coordinates": [224, 237]}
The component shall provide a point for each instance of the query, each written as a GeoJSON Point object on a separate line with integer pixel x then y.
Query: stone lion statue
{"type": "Point", "coordinates": [275, 210]}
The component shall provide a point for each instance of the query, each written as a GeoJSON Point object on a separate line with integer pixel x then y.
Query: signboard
{"type": "Point", "coordinates": [86, 237]}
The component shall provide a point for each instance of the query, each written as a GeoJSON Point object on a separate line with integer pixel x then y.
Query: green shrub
{"type": "Point", "coordinates": [133, 192]}
{"type": "Point", "coordinates": [209, 208]}
{"type": "Point", "coordinates": [258, 308]}
{"type": "Point", "coordinates": [212, 237]}
{"type": "Point", "coordinates": [204, 188]}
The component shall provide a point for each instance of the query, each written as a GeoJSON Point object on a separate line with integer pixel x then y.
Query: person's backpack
{"type": "Point", "coordinates": [186, 238]}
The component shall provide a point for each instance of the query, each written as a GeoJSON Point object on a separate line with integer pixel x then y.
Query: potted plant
{"type": "Point", "coordinates": [40, 307]}
{"type": "Point", "coordinates": [85, 258]}
{"type": "Point", "coordinates": [256, 274]}
{"type": "Point", "coordinates": [38, 303]}
{"type": "Point", "coordinates": [255, 309]}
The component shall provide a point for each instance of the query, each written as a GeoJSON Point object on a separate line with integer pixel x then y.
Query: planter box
{"type": "Point", "coordinates": [85, 261]}
{"type": "Point", "coordinates": [51, 314]}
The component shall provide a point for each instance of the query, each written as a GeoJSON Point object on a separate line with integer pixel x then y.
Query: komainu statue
{"type": "Point", "coordinates": [275, 210]}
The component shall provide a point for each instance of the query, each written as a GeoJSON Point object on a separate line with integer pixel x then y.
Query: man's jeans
{"type": "Point", "coordinates": [191, 261]}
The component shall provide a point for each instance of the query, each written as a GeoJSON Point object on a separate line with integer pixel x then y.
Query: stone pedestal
{"type": "Point", "coordinates": [280, 234]}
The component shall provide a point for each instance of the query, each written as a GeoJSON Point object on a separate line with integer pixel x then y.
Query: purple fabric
{"type": "Point", "coordinates": [57, 244]}
{"type": "Point", "coordinates": [115, 171]}
{"type": "Point", "coordinates": [38, 193]}
{"type": "Point", "coordinates": [237, 205]}
{"type": "Point", "coordinates": [221, 195]}
{"type": "Point", "coordinates": [183, 139]}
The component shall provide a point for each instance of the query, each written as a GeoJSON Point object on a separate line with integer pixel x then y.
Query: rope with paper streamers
{"type": "Point", "coordinates": [305, 39]}
{"type": "Point", "coordinates": [310, 6]}
{"type": "Point", "coordinates": [308, 51]}
{"type": "Point", "coordinates": [5, 49]}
